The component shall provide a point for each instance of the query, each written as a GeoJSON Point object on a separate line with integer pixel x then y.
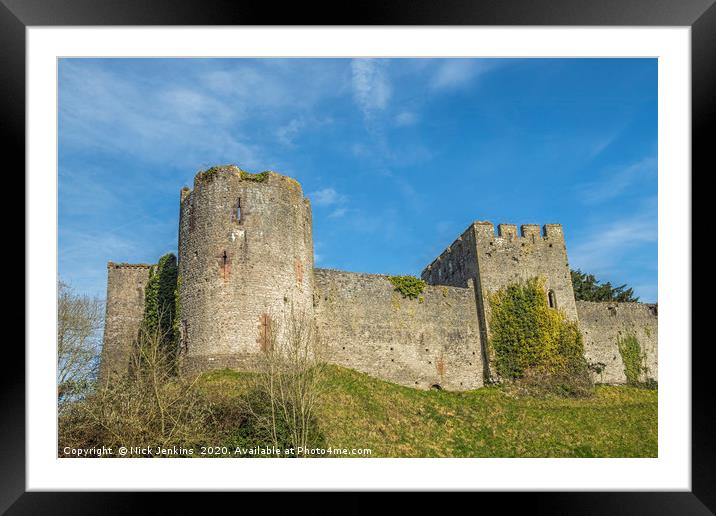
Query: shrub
{"type": "Point", "coordinates": [409, 286]}
{"type": "Point", "coordinates": [262, 425]}
{"type": "Point", "coordinates": [534, 345]}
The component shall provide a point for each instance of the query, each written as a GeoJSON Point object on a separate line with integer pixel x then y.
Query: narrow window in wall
{"type": "Point", "coordinates": [238, 210]}
{"type": "Point", "coordinates": [552, 299]}
{"type": "Point", "coordinates": [225, 264]}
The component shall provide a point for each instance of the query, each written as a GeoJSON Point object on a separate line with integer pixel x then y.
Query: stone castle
{"type": "Point", "coordinates": [246, 254]}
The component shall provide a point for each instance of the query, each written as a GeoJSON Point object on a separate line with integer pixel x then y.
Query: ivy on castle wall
{"type": "Point", "coordinates": [633, 358]}
{"type": "Point", "coordinates": [160, 299]}
{"type": "Point", "coordinates": [528, 338]}
{"type": "Point", "coordinates": [177, 311]}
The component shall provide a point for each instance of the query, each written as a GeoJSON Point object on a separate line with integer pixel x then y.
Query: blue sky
{"type": "Point", "coordinates": [397, 156]}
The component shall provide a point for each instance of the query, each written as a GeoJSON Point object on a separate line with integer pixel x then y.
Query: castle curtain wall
{"type": "Point", "coordinates": [603, 324]}
{"type": "Point", "coordinates": [246, 258]}
{"type": "Point", "coordinates": [365, 324]}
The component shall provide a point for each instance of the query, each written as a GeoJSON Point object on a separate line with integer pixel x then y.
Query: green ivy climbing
{"type": "Point", "coordinates": [160, 299]}
{"type": "Point", "coordinates": [632, 357]}
{"type": "Point", "coordinates": [530, 339]}
{"type": "Point", "coordinates": [177, 310]}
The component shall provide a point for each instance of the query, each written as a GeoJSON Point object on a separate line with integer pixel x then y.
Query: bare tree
{"type": "Point", "coordinates": [151, 406]}
{"type": "Point", "coordinates": [289, 378]}
{"type": "Point", "coordinates": [79, 321]}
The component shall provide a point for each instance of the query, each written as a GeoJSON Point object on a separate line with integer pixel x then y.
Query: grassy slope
{"type": "Point", "coordinates": [360, 411]}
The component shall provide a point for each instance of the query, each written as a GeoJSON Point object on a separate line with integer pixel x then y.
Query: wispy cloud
{"type": "Point", "coordinates": [338, 213]}
{"type": "Point", "coordinates": [371, 87]}
{"type": "Point", "coordinates": [360, 150]}
{"type": "Point", "coordinates": [327, 197]}
{"type": "Point", "coordinates": [406, 118]}
{"type": "Point", "coordinates": [605, 248]}
{"type": "Point", "coordinates": [615, 182]}
{"type": "Point", "coordinates": [457, 73]}
{"type": "Point", "coordinates": [175, 125]}
{"type": "Point", "coordinates": [601, 144]}
{"type": "Point", "coordinates": [288, 132]}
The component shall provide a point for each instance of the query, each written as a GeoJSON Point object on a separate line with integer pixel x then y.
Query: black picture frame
{"type": "Point", "coordinates": [699, 15]}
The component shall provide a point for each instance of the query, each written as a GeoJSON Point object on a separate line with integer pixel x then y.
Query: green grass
{"type": "Point", "coordinates": [358, 411]}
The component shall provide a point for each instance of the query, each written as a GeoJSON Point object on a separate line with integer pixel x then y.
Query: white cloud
{"type": "Point", "coordinates": [371, 88]}
{"type": "Point", "coordinates": [457, 73]}
{"type": "Point", "coordinates": [406, 118]}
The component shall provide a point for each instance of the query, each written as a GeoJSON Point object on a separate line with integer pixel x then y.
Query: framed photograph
{"type": "Point", "coordinates": [434, 249]}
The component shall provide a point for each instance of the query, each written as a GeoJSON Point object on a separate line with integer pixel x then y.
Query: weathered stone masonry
{"type": "Point", "coordinates": [603, 324]}
{"type": "Point", "coordinates": [426, 342]}
{"type": "Point", "coordinates": [246, 256]}
{"type": "Point", "coordinates": [124, 313]}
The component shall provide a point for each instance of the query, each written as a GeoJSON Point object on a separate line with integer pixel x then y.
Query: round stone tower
{"type": "Point", "coordinates": [245, 258]}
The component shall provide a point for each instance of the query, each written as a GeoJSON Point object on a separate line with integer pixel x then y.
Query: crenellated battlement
{"type": "Point", "coordinates": [124, 265]}
{"type": "Point", "coordinates": [487, 231]}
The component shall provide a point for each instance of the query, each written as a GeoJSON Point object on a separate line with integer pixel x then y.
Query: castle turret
{"type": "Point", "coordinates": [245, 258]}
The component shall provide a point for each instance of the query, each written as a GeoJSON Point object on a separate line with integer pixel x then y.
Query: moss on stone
{"type": "Point", "coordinates": [257, 178]}
{"type": "Point", "coordinates": [209, 173]}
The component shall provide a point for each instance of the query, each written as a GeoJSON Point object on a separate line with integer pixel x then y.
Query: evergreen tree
{"type": "Point", "coordinates": [588, 288]}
